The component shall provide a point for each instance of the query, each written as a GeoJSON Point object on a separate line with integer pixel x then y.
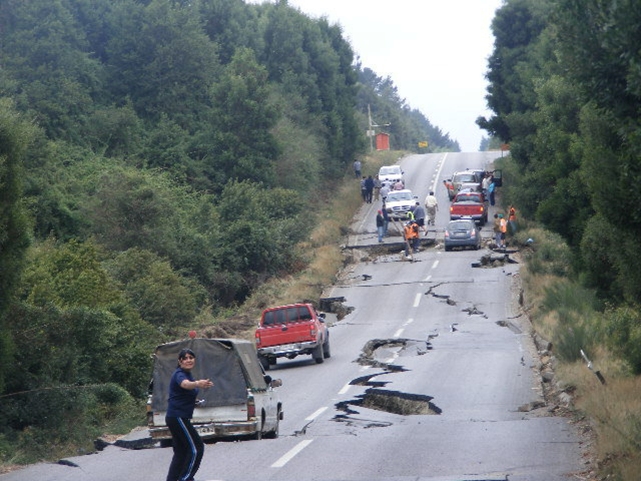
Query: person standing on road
{"type": "Point", "coordinates": [369, 189]}
{"type": "Point", "coordinates": [431, 205]}
{"type": "Point", "coordinates": [377, 187]}
{"type": "Point", "coordinates": [380, 226]}
{"type": "Point", "coordinates": [496, 229]}
{"type": "Point", "coordinates": [491, 188]}
{"type": "Point", "coordinates": [385, 188]}
{"type": "Point", "coordinates": [364, 188]}
{"type": "Point", "coordinates": [503, 229]}
{"type": "Point", "coordinates": [485, 183]}
{"type": "Point", "coordinates": [187, 445]}
{"type": "Point", "coordinates": [449, 187]}
{"type": "Point", "coordinates": [511, 220]}
{"type": "Point", "coordinates": [411, 236]}
{"type": "Point", "coordinates": [419, 215]}
{"type": "Point", "coordinates": [385, 220]}
{"type": "Point", "coordinates": [357, 169]}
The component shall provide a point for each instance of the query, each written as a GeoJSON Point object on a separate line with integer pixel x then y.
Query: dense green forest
{"type": "Point", "coordinates": [565, 89]}
{"type": "Point", "coordinates": [159, 160]}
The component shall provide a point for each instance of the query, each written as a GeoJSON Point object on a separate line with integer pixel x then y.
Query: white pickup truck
{"type": "Point", "coordinates": [242, 402]}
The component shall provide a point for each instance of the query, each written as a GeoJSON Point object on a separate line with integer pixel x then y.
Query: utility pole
{"type": "Point", "coordinates": [371, 133]}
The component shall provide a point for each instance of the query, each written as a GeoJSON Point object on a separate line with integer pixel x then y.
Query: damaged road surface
{"type": "Point", "coordinates": [433, 377]}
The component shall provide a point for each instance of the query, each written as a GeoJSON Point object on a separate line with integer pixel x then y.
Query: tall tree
{"type": "Point", "coordinates": [160, 58]}
{"type": "Point", "coordinates": [242, 117]}
{"type": "Point", "coordinates": [47, 65]}
{"type": "Point", "coordinates": [15, 135]}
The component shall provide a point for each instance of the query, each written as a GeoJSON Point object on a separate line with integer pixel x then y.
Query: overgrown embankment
{"type": "Point", "coordinates": [594, 351]}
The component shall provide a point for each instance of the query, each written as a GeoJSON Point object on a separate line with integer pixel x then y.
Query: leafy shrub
{"type": "Point", "coordinates": [623, 335]}
{"type": "Point", "coordinates": [547, 254]}
{"type": "Point", "coordinates": [46, 423]}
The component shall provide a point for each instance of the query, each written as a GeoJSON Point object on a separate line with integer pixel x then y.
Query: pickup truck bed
{"type": "Point", "coordinates": [471, 205]}
{"type": "Point", "coordinates": [289, 331]}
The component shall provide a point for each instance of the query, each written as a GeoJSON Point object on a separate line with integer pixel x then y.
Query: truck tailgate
{"type": "Point", "coordinates": [289, 333]}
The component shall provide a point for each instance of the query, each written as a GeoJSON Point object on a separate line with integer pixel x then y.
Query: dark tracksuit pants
{"type": "Point", "coordinates": [188, 449]}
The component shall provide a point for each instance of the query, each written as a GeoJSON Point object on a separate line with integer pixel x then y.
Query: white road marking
{"type": "Point", "coordinates": [288, 456]}
{"type": "Point", "coordinates": [438, 172]}
{"type": "Point", "coordinates": [344, 389]}
{"type": "Point", "coordinates": [435, 264]}
{"type": "Point", "coordinates": [408, 322]}
{"type": "Point", "coordinates": [428, 277]}
{"type": "Point", "coordinates": [392, 359]}
{"type": "Point", "coordinates": [417, 299]}
{"type": "Point", "coordinates": [314, 415]}
{"type": "Point", "coordinates": [398, 333]}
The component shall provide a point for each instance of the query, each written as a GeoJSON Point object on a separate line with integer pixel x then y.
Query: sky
{"type": "Point", "coordinates": [434, 51]}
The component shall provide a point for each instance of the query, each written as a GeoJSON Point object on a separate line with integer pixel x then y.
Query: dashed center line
{"type": "Point", "coordinates": [435, 264]}
{"type": "Point", "coordinates": [344, 389]}
{"type": "Point", "coordinates": [315, 414]}
{"type": "Point", "coordinates": [417, 299]}
{"type": "Point", "coordinates": [288, 456]}
{"type": "Point", "coordinates": [398, 333]}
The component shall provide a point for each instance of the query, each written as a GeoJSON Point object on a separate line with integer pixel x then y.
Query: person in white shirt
{"type": "Point", "coordinates": [431, 206]}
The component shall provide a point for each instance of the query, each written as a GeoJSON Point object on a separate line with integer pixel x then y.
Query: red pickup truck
{"type": "Point", "coordinates": [290, 331]}
{"type": "Point", "coordinates": [469, 204]}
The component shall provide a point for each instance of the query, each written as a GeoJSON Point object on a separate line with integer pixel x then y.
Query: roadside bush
{"type": "Point", "coordinates": [160, 294]}
{"type": "Point", "coordinates": [45, 423]}
{"type": "Point", "coordinates": [548, 253]}
{"type": "Point", "coordinates": [574, 308]}
{"type": "Point", "coordinates": [623, 335]}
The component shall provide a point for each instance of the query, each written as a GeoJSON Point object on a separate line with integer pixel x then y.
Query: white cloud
{"type": "Point", "coordinates": [435, 52]}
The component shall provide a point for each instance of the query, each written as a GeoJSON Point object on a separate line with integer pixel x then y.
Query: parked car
{"type": "Point", "coordinates": [290, 331]}
{"type": "Point", "coordinates": [467, 180]}
{"type": "Point", "coordinates": [399, 202]}
{"type": "Point", "coordinates": [469, 204]}
{"type": "Point", "coordinates": [391, 174]}
{"type": "Point", "coordinates": [462, 233]}
{"type": "Point", "coordinates": [241, 404]}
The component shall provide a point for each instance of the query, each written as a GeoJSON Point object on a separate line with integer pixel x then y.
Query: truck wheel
{"type": "Point", "coordinates": [327, 353]}
{"type": "Point", "coordinates": [318, 354]}
{"type": "Point", "coordinates": [264, 361]}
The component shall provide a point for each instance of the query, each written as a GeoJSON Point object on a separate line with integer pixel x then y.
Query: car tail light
{"type": "Point", "coordinates": [257, 338]}
{"type": "Point", "coordinates": [251, 408]}
{"type": "Point", "coordinates": [482, 209]}
{"type": "Point", "coordinates": [312, 331]}
{"type": "Point", "coordinates": [473, 233]}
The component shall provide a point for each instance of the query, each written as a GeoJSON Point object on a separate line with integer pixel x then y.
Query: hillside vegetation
{"type": "Point", "coordinates": [161, 162]}
{"type": "Point", "coordinates": [565, 89]}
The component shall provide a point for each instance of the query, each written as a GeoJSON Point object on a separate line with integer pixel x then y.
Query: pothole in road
{"type": "Point", "coordinates": [395, 402]}
{"type": "Point", "coordinates": [494, 260]}
{"type": "Point", "coordinates": [382, 352]}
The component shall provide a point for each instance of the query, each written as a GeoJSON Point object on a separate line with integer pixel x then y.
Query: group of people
{"type": "Point", "coordinates": [418, 218]}
{"type": "Point", "coordinates": [489, 187]}
{"type": "Point", "coordinates": [503, 226]}
{"type": "Point", "coordinates": [414, 225]}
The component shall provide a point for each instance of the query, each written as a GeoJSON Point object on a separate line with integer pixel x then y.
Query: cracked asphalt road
{"type": "Point", "coordinates": [419, 387]}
